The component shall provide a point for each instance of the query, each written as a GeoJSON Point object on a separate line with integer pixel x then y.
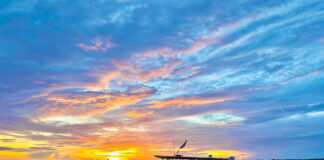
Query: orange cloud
{"type": "Point", "coordinates": [123, 73]}
{"type": "Point", "coordinates": [164, 71]}
{"type": "Point", "coordinates": [119, 72]}
{"type": "Point", "coordinates": [85, 105]}
{"type": "Point", "coordinates": [135, 114]}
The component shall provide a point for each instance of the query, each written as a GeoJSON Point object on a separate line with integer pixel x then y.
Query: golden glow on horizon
{"type": "Point", "coordinates": [13, 155]}
{"type": "Point", "coordinates": [222, 153]}
{"type": "Point", "coordinates": [121, 150]}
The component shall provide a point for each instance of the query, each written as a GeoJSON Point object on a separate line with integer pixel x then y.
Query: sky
{"type": "Point", "coordinates": [130, 79]}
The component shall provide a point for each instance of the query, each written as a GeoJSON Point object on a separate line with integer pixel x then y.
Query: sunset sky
{"type": "Point", "coordinates": [130, 79]}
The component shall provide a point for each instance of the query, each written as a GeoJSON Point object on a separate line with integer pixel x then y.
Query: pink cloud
{"type": "Point", "coordinates": [301, 76]}
{"type": "Point", "coordinates": [197, 46]}
{"type": "Point", "coordinates": [97, 44]}
{"type": "Point", "coordinates": [187, 101]}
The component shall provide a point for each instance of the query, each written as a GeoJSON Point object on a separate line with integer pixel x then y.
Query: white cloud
{"type": "Point", "coordinates": [219, 118]}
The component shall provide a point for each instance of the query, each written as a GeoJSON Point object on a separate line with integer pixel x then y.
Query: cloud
{"type": "Point", "coordinates": [30, 149]}
{"type": "Point", "coordinates": [41, 148]}
{"type": "Point", "coordinates": [214, 119]}
{"type": "Point", "coordinates": [196, 46]}
{"type": "Point", "coordinates": [135, 114]}
{"type": "Point", "coordinates": [42, 155]}
{"type": "Point", "coordinates": [123, 15]}
{"type": "Point", "coordinates": [98, 44]}
{"type": "Point", "coordinates": [6, 148]}
{"type": "Point", "coordinates": [88, 104]}
{"type": "Point", "coordinates": [282, 112]}
{"type": "Point", "coordinates": [187, 101]}
{"type": "Point", "coordinates": [7, 140]}
{"type": "Point", "coordinates": [192, 68]}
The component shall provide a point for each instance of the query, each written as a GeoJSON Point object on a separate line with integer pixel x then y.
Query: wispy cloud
{"type": "Point", "coordinates": [97, 44]}
{"type": "Point", "coordinates": [214, 119]}
{"type": "Point", "coordinates": [187, 101]}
